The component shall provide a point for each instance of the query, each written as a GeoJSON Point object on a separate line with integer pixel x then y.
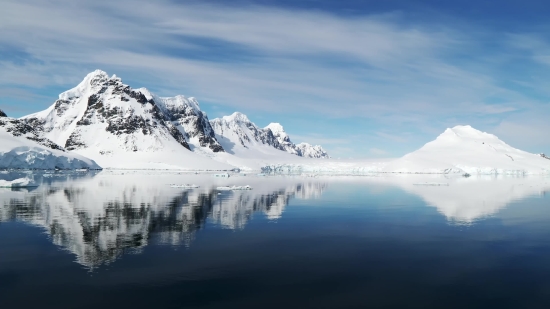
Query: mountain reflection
{"type": "Point", "coordinates": [465, 200]}
{"type": "Point", "coordinates": [101, 218]}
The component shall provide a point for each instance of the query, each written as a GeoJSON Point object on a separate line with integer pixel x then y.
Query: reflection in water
{"type": "Point", "coordinates": [100, 218]}
{"type": "Point", "coordinates": [464, 200]}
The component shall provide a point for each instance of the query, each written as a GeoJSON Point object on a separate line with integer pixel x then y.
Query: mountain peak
{"type": "Point", "coordinates": [468, 132]}
{"type": "Point", "coordinates": [97, 76]}
{"type": "Point", "coordinates": [236, 117]}
{"type": "Point", "coordinates": [276, 128]}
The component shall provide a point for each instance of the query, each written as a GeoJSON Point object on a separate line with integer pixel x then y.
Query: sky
{"type": "Point", "coordinates": [364, 79]}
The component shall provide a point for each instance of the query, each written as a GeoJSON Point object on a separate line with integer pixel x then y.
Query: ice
{"type": "Point", "coordinates": [18, 183]}
{"type": "Point", "coordinates": [23, 151]}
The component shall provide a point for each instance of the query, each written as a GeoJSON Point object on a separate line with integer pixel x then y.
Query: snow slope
{"type": "Point", "coordinates": [119, 127]}
{"type": "Point", "coordinates": [463, 149]}
{"type": "Point", "coordinates": [21, 147]}
{"type": "Point", "coordinates": [247, 146]}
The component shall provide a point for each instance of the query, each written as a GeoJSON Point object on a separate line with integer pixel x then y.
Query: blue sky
{"type": "Point", "coordinates": [361, 78]}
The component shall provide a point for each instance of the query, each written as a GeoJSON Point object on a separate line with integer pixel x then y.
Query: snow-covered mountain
{"type": "Point", "coordinates": [120, 127]}
{"type": "Point", "coordinates": [303, 149]}
{"type": "Point", "coordinates": [237, 130]}
{"type": "Point", "coordinates": [22, 147]}
{"type": "Point", "coordinates": [463, 149]}
{"type": "Point", "coordinates": [459, 150]}
{"type": "Point", "coordinates": [186, 115]}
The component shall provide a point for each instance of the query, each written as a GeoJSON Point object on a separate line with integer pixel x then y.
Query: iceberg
{"type": "Point", "coordinates": [18, 183]}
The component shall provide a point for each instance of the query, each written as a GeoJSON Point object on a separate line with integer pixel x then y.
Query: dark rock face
{"type": "Point", "coordinates": [19, 128]}
{"type": "Point", "coordinates": [194, 123]}
{"type": "Point", "coordinates": [61, 106]}
{"type": "Point", "coordinates": [2, 114]}
{"type": "Point", "coordinates": [176, 134]}
{"type": "Point", "coordinates": [74, 142]}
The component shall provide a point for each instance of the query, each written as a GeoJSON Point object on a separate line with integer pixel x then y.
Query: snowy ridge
{"type": "Point", "coordinates": [119, 127]}
{"type": "Point", "coordinates": [22, 147]}
{"type": "Point", "coordinates": [303, 149]}
{"type": "Point", "coordinates": [237, 130]}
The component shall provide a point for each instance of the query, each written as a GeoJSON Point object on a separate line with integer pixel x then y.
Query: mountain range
{"type": "Point", "coordinates": [120, 127]}
{"type": "Point", "coordinates": [103, 122]}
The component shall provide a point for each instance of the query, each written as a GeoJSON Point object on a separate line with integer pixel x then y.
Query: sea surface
{"type": "Point", "coordinates": [127, 239]}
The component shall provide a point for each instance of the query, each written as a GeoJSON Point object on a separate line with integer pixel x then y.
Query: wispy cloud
{"type": "Point", "coordinates": [387, 73]}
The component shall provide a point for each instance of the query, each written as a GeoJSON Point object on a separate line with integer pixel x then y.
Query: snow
{"type": "Point", "coordinates": [250, 147]}
{"type": "Point", "coordinates": [463, 149]}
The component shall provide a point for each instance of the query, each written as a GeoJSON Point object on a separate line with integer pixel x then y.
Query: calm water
{"type": "Point", "coordinates": [128, 240]}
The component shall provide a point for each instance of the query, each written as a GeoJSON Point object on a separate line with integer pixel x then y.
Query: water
{"type": "Point", "coordinates": [128, 240]}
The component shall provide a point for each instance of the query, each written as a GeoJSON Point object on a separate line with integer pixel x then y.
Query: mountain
{"type": "Point", "coordinates": [120, 127]}
{"type": "Point", "coordinates": [186, 115]}
{"type": "Point", "coordinates": [22, 147]}
{"type": "Point", "coordinates": [459, 150]}
{"type": "Point", "coordinates": [303, 149]}
{"type": "Point", "coordinates": [463, 149]}
{"type": "Point", "coordinates": [237, 131]}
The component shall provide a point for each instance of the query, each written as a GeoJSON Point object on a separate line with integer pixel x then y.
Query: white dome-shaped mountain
{"type": "Point", "coordinates": [463, 149]}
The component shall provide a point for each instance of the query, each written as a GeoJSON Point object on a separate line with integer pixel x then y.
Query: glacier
{"type": "Point", "coordinates": [21, 147]}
